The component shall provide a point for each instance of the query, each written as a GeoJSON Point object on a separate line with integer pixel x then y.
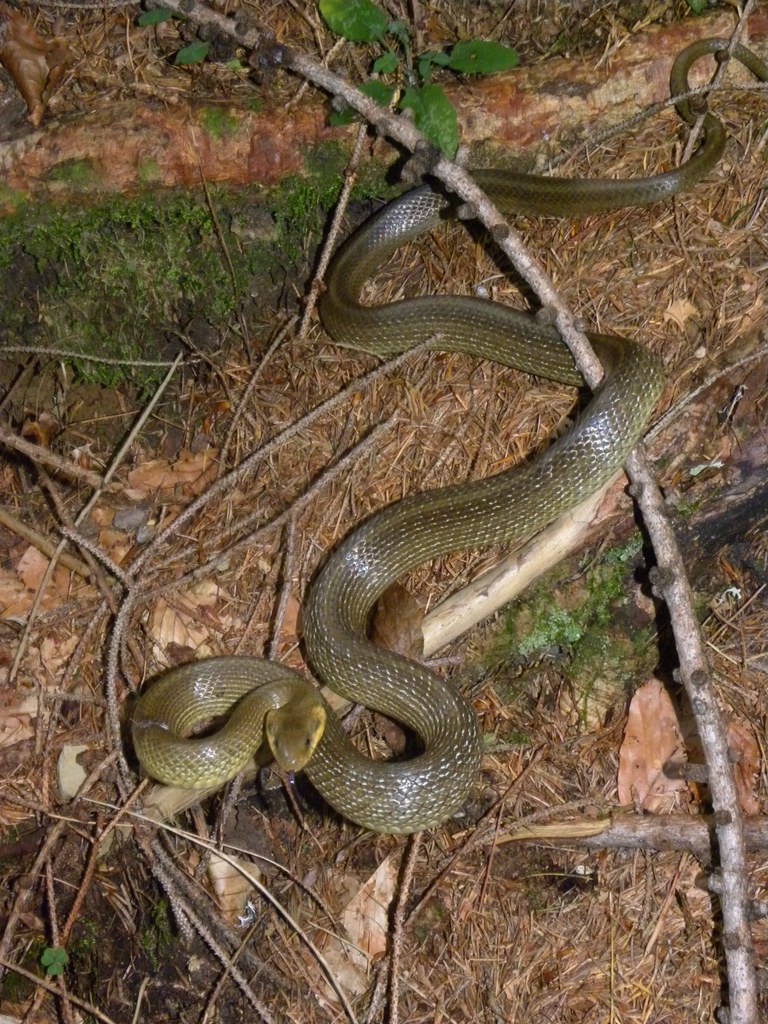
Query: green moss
{"type": "Point", "coordinates": [124, 278]}
{"type": "Point", "coordinates": [545, 621]}
{"type": "Point", "coordinates": [84, 949]}
{"type": "Point", "coordinates": [117, 279]}
{"type": "Point", "coordinates": [79, 173]}
{"type": "Point", "coordinates": [157, 936]}
{"type": "Point", "coordinates": [11, 200]}
{"type": "Point", "coordinates": [300, 202]}
{"type": "Point", "coordinates": [148, 171]}
{"type": "Point", "coordinates": [687, 509]}
{"type": "Point", "coordinates": [217, 123]}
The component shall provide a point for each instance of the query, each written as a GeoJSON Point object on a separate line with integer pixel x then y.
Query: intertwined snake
{"type": "Point", "coordinates": [400, 797]}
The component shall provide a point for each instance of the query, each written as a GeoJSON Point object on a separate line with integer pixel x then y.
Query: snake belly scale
{"type": "Point", "coordinates": [402, 797]}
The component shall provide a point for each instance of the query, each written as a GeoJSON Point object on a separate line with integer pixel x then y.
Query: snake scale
{"type": "Point", "coordinates": [264, 697]}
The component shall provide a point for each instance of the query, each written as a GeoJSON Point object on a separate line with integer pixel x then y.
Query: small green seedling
{"type": "Point", "coordinates": [362, 21]}
{"type": "Point", "coordinates": [54, 959]}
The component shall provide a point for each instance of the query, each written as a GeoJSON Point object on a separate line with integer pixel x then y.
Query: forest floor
{"type": "Point", "coordinates": [527, 907]}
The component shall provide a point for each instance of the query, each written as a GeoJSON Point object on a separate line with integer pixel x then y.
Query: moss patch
{"type": "Point", "coordinates": [217, 123]}
{"type": "Point", "coordinates": [78, 174]}
{"type": "Point", "coordinates": [583, 626]}
{"type": "Point", "coordinates": [125, 278]}
{"type": "Point", "coordinates": [117, 279]}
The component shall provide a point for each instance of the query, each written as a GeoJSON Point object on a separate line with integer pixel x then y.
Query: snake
{"type": "Point", "coordinates": [263, 701]}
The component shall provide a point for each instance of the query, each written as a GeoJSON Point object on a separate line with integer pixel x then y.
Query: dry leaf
{"type": "Point", "coordinates": [18, 589]}
{"type": "Point", "coordinates": [170, 626]}
{"type": "Point", "coordinates": [290, 625]}
{"type": "Point", "coordinates": [396, 623]}
{"type": "Point", "coordinates": [70, 774]}
{"type": "Point", "coordinates": [232, 888]}
{"type": "Point", "coordinates": [15, 599]}
{"type": "Point", "coordinates": [680, 312]}
{"type": "Point", "coordinates": [115, 544]}
{"type": "Point", "coordinates": [31, 567]}
{"type": "Point", "coordinates": [189, 621]}
{"type": "Point", "coordinates": [190, 472]}
{"type": "Point", "coordinates": [651, 750]}
{"type": "Point", "coordinates": [54, 653]}
{"type": "Point", "coordinates": [366, 916]}
{"type": "Point", "coordinates": [34, 64]}
{"type": "Point", "coordinates": [16, 713]}
{"type": "Point", "coordinates": [745, 752]}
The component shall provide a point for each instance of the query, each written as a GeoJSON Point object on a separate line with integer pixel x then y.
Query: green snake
{"type": "Point", "coordinates": [263, 697]}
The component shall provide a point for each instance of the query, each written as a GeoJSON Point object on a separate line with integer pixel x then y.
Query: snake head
{"type": "Point", "coordinates": [293, 732]}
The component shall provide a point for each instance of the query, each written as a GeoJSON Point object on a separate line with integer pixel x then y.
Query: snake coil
{"type": "Point", "coordinates": [508, 508]}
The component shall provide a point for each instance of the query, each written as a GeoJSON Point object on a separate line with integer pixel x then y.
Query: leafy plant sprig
{"type": "Point", "coordinates": [362, 21]}
{"type": "Point", "coordinates": [54, 959]}
{"type": "Point", "coordinates": [194, 53]}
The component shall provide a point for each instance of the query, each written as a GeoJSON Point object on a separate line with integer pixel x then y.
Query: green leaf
{"type": "Point", "coordinates": [357, 20]}
{"type": "Point", "coordinates": [697, 6]}
{"type": "Point", "coordinates": [154, 17]}
{"type": "Point", "coordinates": [434, 116]}
{"type": "Point", "coordinates": [192, 54]}
{"type": "Point", "coordinates": [54, 959]}
{"type": "Point", "coordinates": [477, 57]}
{"type": "Point", "coordinates": [426, 60]}
{"type": "Point", "coordinates": [378, 91]}
{"type": "Point", "coordinates": [385, 64]}
{"type": "Point", "coordinates": [374, 90]}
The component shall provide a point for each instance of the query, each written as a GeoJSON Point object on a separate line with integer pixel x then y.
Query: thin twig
{"type": "Point", "coordinates": [289, 556]}
{"type": "Point", "coordinates": [89, 357]}
{"type": "Point", "coordinates": [331, 237]}
{"type": "Point", "coordinates": [43, 543]}
{"type": "Point", "coordinates": [37, 454]}
{"type": "Point", "coordinates": [56, 942]}
{"type": "Point", "coordinates": [242, 405]}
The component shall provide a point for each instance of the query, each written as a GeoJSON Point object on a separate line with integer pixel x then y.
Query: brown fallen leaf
{"type": "Point", "coordinates": [189, 621]}
{"type": "Point", "coordinates": [679, 313]}
{"type": "Point", "coordinates": [192, 473]}
{"type": "Point", "coordinates": [34, 64]}
{"type": "Point", "coordinates": [56, 652]}
{"type": "Point", "coordinates": [366, 916]}
{"type": "Point", "coordinates": [396, 622]}
{"type": "Point", "coordinates": [233, 890]}
{"type": "Point", "coordinates": [17, 711]}
{"type": "Point", "coordinates": [18, 586]}
{"type": "Point", "coordinates": [745, 752]}
{"type": "Point", "coordinates": [31, 567]}
{"type": "Point", "coordinates": [651, 751]}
